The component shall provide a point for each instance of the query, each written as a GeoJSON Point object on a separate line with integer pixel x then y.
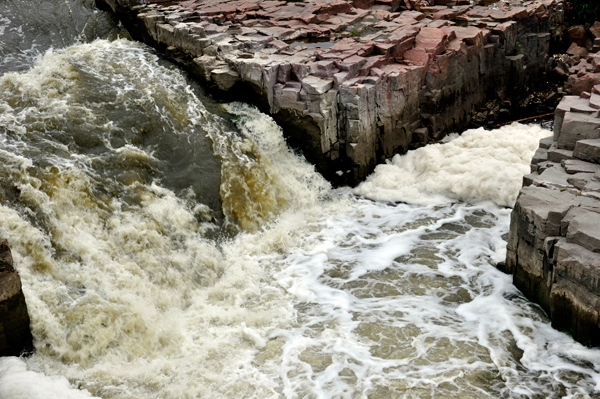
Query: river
{"type": "Point", "coordinates": [171, 246]}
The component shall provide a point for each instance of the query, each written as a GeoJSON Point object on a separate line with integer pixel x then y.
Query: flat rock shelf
{"type": "Point", "coordinates": [390, 74]}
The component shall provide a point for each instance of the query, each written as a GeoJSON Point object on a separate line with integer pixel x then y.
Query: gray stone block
{"type": "Point", "coordinates": [542, 166]}
{"type": "Point", "coordinates": [558, 155]}
{"type": "Point", "coordinates": [595, 101]}
{"type": "Point", "coordinates": [528, 179]}
{"type": "Point", "coordinates": [583, 231]}
{"type": "Point", "coordinates": [572, 166]}
{"type": "Point", "coordinates": [578, 265]}
{"type": "Point", "coordinates": [588, 150]}
{"type": "Point", "coordinates": [546, 142]}
{"type": "Point", "coordinates": [540, 211]}
{"type": "Point", "coordinates": [580, 180]}
{"type": "Point", "coordinates": [224, 77]}
{"type": "Point", "coordinates": [553, 177]}
{"type": "Point", "coordinates": [540, 155]}
{"type": "Point", "coordinates": [577, 126]}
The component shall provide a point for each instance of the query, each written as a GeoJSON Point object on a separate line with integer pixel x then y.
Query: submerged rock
{"type": "Point", "coordinates": [15, 336]}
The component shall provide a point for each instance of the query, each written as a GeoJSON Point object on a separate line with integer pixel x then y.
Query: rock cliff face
{"type": "Point", "coordinates": [15, 336]}
{"type": "Point", "coordinates": [354, 82]}
{"type": "Point", "coordinates": [554, 242]}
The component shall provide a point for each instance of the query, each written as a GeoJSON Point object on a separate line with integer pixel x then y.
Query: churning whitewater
{"type": "Point", "coordinates": [173, 247]}
{"type": "Point", "coordinates": [477, 165]}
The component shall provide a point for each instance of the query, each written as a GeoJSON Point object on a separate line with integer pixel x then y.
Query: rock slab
{"type": "Point", "coordinates": [15, 335]}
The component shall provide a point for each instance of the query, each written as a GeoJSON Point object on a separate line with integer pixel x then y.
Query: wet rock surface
{"type": "Point", "coordinates": [15, 335]}
{"type": "Point", "coordinates": [554, 242]}
{"type": "Point", "coordinates": [354, 82]}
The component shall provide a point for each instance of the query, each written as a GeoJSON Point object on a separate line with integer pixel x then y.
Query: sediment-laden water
{"type": "Point", "coordinates": [173, 247]}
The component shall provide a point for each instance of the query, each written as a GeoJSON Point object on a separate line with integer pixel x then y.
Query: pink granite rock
{"type": "Point", "coordinates": [577, 35]}
{"type": "Point", "coordinates": [432, 40]}
{"type": "Point", "coordinates": [578, 84]}
{"type": "Point", "coordinates": [575, 49]}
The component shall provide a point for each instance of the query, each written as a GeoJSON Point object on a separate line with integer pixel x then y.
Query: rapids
{"type": "Point", "coordinates": [173, 247]}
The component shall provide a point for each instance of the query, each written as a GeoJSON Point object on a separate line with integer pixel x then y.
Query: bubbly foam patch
{"type": "Point", "coordinates": [16, 382]}
{"type": "Point", "coordinates": [478, 165]}
{"type": "Point", "coordinates": [404, 301]}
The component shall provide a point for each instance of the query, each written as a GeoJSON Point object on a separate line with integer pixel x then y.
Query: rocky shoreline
{"type": "Point", "coordinates": [15, 336]}
{"type": "Point", "coordinates": [554, 242]}
{"type": "Point", "coordinates": [354, 82]}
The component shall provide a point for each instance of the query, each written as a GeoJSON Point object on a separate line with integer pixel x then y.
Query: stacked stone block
{"type": "Point", "coordinates": [554, 242]}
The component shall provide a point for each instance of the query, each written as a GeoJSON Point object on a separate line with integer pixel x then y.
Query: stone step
{"type": "Point", "coordinates": [582, 105]}
{"type": "Point", "coordinates": [540, 155]}
{"type": "Point", "coordinates": [580, 180]}
{"type": "Point", "coordinates": [595, 101]}
{"type": "Point", "coordinates": [573, 166]}
{"type": "Point", "coordinates": [542, 166]}
{"type": "Point", "coordinates": [558, 155]}
{"type": "Point", "coordinates": [554, 177]}
{"type": "Point", "coordinates": [546, 142]}
{"type": "Point", "coordinates": [577, 126]}
{"type": "Point", "coordinates": [588, 150]}
{"type": "Point", "coordinates": [575, 104]}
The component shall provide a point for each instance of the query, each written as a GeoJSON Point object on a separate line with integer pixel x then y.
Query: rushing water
{"type": "Point", "coordinates": [172, 247]}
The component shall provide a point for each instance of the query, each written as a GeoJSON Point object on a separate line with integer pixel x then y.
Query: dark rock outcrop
{"type": "Point", "coordinates": [354, 82]}
{"type": "Point", "coordinates": [15, 336]}
{"type": "Point", "coordinates": [554, 242]}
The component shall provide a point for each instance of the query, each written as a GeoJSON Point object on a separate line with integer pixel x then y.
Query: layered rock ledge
{"type": "Point", "coordinates": [15, 335]}
{"type": "Point", "coordinates": [354, 82]}
{"type": "Point", "coordinates": [554, 242]}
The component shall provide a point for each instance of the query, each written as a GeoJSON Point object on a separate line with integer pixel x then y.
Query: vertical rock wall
{"type": "Point", "coordinates": [15, 336]}
{"type": "Point", "coordinates": [554, 242]}
{"type": "Point", "coordinates": [353, 83]}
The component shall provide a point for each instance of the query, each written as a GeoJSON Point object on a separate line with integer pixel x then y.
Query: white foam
{"type": "Point", "coordinates": [406, 298]}
{"type": "Point", "coordinates": [478, 165]}
{"type": "Point", "coordinates": [16, 382]}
